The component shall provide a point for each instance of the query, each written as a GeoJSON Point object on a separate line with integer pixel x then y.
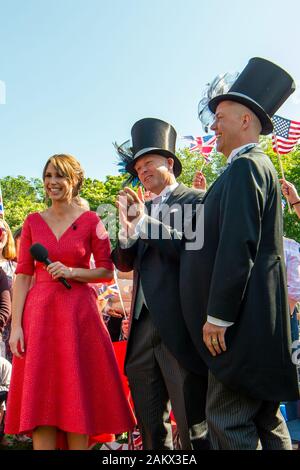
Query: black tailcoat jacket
{"type": "Point", "coordinates": [156, 265]}
{"type": "Point", "coordinates": [239, 276]}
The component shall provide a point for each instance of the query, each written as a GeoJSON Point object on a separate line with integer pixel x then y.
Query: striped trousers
{"type": "Point", "coordinates": [238, 422]}
{"type": "Point", "coordinates": [158, 383]}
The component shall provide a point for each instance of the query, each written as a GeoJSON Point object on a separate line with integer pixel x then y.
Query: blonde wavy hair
{"type": "Point", "coordinates": [68, 167]}
{"type": "Point", "coordinates": [9, 249]}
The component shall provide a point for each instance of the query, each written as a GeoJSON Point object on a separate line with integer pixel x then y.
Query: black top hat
{"type": "Point", "coordinates": [152, 135]}
{"type": "Point", "coordinates": [263, 87]}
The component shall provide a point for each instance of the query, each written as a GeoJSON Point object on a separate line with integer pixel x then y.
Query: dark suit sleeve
{"type": "Point", "coordinates": [123, 258]}
{"type": "Point", "coordinates": [241, 212]}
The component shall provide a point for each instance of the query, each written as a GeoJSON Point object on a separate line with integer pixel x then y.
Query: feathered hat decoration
{"type": "Point", "coordinates": [125, 154]}
{"type": "Point", "coordinates": [219, 85]}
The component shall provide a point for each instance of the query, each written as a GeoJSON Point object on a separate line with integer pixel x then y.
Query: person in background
{"type": "Point", "coordinates": [17, 238]}
{"type": "Point", "coordinates": [7, 251]}
{"type": "Point", "coordinates": [290, 193]}
{"type": "Point", "coordinates": [5, 308]}
{"type": "Point", "coordinates": [65, 378]}
{"type": "Point", "coordinates": [199, 181]}
{"type": "Point", "coordinates": [5, 376]}
{"type": "Point", "coordinates": [7, 263]}
{"type": "Point", "coordinates": [292, 262]}
{"type": "Point", "coordinates": [118, 306]}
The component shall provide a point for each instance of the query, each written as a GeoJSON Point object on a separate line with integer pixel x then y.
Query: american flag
{"type": "Point", "coordinates": [203, 144]}
{"type": "Point", "coordinates": [286, 134]}
{"type": "Point", "coordinates": [1, 205]}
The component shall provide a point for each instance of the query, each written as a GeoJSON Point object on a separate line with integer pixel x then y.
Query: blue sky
{"type": "Point", "coordinates": [79, 73]}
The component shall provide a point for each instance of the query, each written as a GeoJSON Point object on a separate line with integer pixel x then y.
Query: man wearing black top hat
{"type": "Point", "coordinates": [163, 367]}
{"type": "Point", "coordinates": [234, 288]}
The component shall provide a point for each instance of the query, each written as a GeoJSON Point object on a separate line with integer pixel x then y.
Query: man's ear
{"type": "Point", "coordinates": [246, 120]}
{"type": "Point", "coordinates": [170, 163]}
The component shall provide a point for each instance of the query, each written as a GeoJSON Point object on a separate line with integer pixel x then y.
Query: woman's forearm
{"type": "Point", "coordinates": [91, 275]}
{"type": "Point", "coordinates": [20, 289]}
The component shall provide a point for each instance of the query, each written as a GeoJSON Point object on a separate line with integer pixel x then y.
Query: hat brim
{"type": "Point", "coordinates": [177, 169]}
{"type": "Point", "coordinates": [265, 120]}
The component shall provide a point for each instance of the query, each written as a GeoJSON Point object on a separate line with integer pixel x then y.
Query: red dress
{"type": "Point", "coordinates": [68, 376]}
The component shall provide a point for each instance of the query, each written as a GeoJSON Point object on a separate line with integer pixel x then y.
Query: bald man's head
{"type": "Point", "coordinates": [235, 125]}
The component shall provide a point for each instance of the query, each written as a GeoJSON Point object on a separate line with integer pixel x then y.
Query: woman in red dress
{"type": "Point", "coordinates": [65, 376]}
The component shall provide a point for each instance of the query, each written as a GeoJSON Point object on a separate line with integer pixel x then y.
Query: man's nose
{"type": "Point", "coordinates": [144, 170]}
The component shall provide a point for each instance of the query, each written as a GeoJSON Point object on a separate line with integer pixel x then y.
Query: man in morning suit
{"type": "Point", "coordinates": [163, 367]}
{"type": "Point", "coordinates": [234, 288]}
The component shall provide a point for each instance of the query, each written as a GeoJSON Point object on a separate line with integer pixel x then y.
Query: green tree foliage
{"type": "Point", "coordinates": [20, 197]}
{"type": "Point", "coordinates": [192, 161]}
{"type": "Point", "coordinates": [96, 192]}
{"type": "Point", "coordinates": [102, 198]}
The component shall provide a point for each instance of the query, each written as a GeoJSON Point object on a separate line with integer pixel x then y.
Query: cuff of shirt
{"type": "Point", "coordinates": [218, 322]}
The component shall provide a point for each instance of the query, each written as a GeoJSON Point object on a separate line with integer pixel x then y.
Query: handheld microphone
{"type": "Point", "coordinates": [40, 253]}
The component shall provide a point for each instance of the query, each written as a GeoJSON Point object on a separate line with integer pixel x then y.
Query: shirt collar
{"type": "Point", "coordinates": [237, 150]}
{"type": "Point", "coordinates": [168, 190]}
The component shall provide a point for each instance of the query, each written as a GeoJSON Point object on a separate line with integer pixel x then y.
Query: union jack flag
{"type": "Point", "coordinates": [286, 134]}
{"type": "Point", "coordinates": [107, 291]}
{"type": "Point", "coordinates": [202, 144]}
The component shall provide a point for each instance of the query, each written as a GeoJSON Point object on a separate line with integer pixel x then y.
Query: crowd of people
{"type": "Point", "coordinates": [210, 289]}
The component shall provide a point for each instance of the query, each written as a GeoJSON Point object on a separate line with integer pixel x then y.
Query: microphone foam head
{"type": "Point", "coordinates": [39, 252]}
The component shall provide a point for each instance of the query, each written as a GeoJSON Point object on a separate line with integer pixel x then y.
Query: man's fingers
{"type": "Point", "coordinates": [133, 211]}
{"type": "Point", "coordinates": [222, 343]}
{"type": "Point", "coordinates": [210, 348]}
{"type": "Point", "coordinates": [125, 199]}
{"type": "Point", "coordinates": [208, 344]}
{"type": "Point", "coordinates": [215, 345]}
{"type": "Point", "coordinates": [141, 194]}
{"type": "Point", "coordinates": [214, 338]}
{"type": "Point", "coordinates": [132, 194]}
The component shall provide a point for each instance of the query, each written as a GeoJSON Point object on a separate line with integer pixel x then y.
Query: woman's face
{"type": "Point", "coordinates": [3, 235]}
{"type": "Point", "coordinates": [56, 186]}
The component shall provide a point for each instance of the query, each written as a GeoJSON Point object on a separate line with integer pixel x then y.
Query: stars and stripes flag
{"type": "Point", "coordinates": [1, 205]}
{"type": "Point", "coordinates": [286, 134]}
{"type": "Point", "coordinates": [201, 144]}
